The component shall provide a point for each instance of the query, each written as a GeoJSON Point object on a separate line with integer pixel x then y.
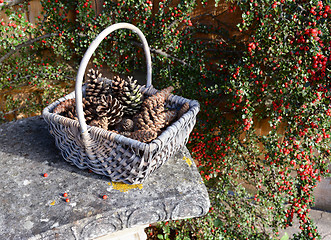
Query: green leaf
{"type": "Point", "coordinates": [160, 236]}
{"type": "Point", "coordinates": [218, 222]}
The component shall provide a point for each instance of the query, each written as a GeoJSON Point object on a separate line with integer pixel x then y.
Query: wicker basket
{"type": "Point", "coordinates": [110, 154]}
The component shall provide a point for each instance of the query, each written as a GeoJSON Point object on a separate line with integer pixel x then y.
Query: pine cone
{"type": "Point", "coordinates": [157, 101]}
{"type": "Point", "coordinates": [94, 74]}
{"type": "Point", "coordinates": [153, 116]}
{"type": "Point", "coordinates": [67, 108]}
{"type": "Point", "coordinates": [63, 106]}
{"type": "Point", "coordinates": [170, 116]}
{"type": "Point", "coordinates": [127, 125]}
{"type": "Point", "coordinates": [183, 109]}
{"type": "Point", "coordinates": [96, 87]}
{"type": "Point", "coordinates": [72, 114]}
{"type": "Point", "coordinates": [126, 134]}
{"type": "Point", "coordinates": [144, 135]}
{"type": "Point", "coordinates": [117, 84]}
{"type": "Point", "coordinates": [150, 120]}
{"type": "Point", "coordinates": [166, 92]}
{"type": "Point", "coordinates": [102, 123]}
{"type": "Point", "coordinates": [89, 106]}
{"type": "Point", "coordinates": [140, 122]}
{"type": "Point", "coordinates": [128, 93]}
{"type": "Point", "coordinates": [111, 108]}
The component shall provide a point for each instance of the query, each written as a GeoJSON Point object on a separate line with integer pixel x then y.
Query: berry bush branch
{"type": "Point", "coordinates": [162, 53]}
{"type": "Point", "coordinates": [9, 3]}
{"type": "Point", "coordinates": [24, 44]}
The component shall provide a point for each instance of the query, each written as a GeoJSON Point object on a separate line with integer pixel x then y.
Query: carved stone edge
{"type": "Point", "coordinates": [109, 222]}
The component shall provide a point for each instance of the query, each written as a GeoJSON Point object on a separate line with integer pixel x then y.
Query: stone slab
{"type": "Point", "coordinates": [32, 206]}
{"type": "Point", "coordinates": [135, 233]}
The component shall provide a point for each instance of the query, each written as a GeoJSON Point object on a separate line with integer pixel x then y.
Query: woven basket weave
{"type": "Point", "coordinates": [104, 152]}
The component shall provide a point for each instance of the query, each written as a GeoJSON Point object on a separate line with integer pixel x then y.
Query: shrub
{"type": "Point", "coordinates": [259, 182]}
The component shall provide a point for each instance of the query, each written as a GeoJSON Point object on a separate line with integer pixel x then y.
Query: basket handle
{"type": "Point", "coordinates": [88, 55]}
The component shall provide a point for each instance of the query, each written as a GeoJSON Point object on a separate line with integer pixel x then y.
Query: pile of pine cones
{"type": "Point", "coordinates": [119, 106]}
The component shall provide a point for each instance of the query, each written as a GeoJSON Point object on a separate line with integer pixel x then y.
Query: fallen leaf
{"type": "Point", "coordinates": [122, 187]}
{"type": "Point", "coordinates": [188, 160]}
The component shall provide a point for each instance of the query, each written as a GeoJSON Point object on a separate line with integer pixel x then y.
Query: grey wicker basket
{"type": "Point", "coordinates": [110, 154]}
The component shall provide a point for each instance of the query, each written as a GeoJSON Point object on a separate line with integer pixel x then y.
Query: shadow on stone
{"type": "Point", "coordinates": [31, 139]}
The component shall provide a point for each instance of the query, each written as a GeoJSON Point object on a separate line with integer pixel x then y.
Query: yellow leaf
{"type": "Point", "coordinates": [53, 203]}
{"type": "Point", "coordinates": [188, 160]}
{"type": "Point", "coordinates": [122, 187]}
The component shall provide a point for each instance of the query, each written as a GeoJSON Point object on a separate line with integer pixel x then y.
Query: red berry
{"type": "Point", "coordinates": [65, 194]}
{"type": "Point", "coordinates": [67, 200]}
{"type": "Point", "coordinates": [45, 175]}
{"type": "Point", "coordinates": [104, 197]}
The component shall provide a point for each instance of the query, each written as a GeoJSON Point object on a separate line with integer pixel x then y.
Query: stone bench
{"type": "Point", "coordinates": [33, 207]}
